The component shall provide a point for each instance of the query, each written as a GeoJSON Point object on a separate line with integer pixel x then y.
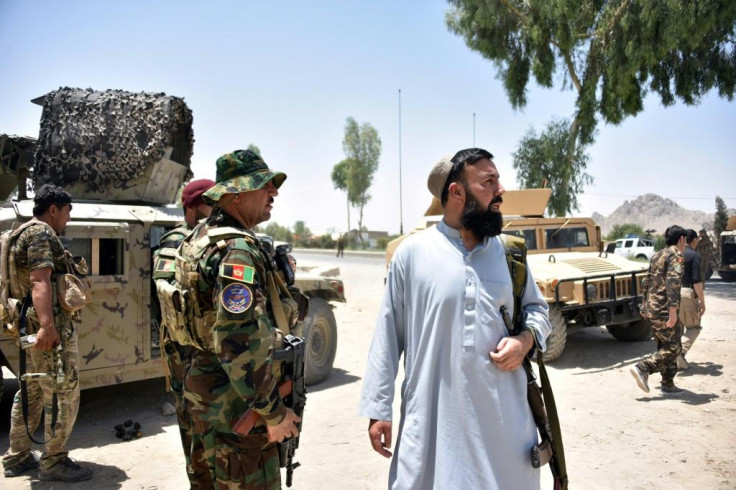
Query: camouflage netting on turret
{"type": "Point", "coordinates": [104, 140]}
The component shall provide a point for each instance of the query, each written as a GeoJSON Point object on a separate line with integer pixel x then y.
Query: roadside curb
{"type": "Point", "coordinates": [347, 253]}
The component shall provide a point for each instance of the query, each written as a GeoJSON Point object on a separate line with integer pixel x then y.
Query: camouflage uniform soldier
{"type": "Point", "coordinates": [39, 256]}
{"type": "Point", "coordinates": [178, 356]}
{"type": "Point", "coordinates": [660, 305]}
{"type": "Point", "coordinates": [705, 249]}
{"type": "Point", "coordinates": [232, 371]}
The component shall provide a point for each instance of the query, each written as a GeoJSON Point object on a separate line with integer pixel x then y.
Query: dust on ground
{"type": "Point", "coordinates": [615, 435]}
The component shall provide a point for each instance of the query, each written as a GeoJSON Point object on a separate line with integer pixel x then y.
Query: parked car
{"type": "Point", "coordinates": [634, 247]}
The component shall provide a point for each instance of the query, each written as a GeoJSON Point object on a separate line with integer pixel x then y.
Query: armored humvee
{"type": "Point", "coordinates": [727, 249]}
{"type": "Point", "coordinates": [124, 157]}
{"type": "Point", "coordinates": [583, 285]}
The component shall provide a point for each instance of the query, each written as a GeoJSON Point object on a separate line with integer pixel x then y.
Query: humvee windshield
{"type": "Point", "coordinates": [567, 237]}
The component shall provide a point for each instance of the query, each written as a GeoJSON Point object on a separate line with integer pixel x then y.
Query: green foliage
{"type": "Point", "coordinates": [383, 242]}
{"type": "Point", "coordinates": [620, 231]}
{"type": "Point", "coordinates": [277, 232]}
{"type": "Point", "coordinates": [611, 53]}
{"type": "Point", "coordinates": [354, 174]}
{"type": "Point", "coordinates": [540, 160]}
{"type": "Point", "coordinates": [720, 221]}
{"type": "Point", "coordinates": [324, 241]}
{"type": "Point", "coordinates": [302, 235]}
{"type": "Point", "coordinates": [659, 243]}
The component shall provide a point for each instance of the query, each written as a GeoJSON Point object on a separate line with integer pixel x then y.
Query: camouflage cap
{"type": "Point", "coordinates": [241, 171]}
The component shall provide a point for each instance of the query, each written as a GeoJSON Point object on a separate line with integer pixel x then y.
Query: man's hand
{"type": "Point", "coordinates": [510, 352]}
{"type": "Point", "coordinates": [285, 429]}
{"type": "Point", "coordinates": [672, 319]}
{"type": "Point", "coordinates": [379, 431]}
{"type": "Point", "coordinates": [701, 308]}
{"type": "Point", "coordinates": [46, 338]}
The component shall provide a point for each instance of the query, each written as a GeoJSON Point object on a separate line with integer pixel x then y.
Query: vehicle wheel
{"type": "Point", "coordinates": [727, 276]}
{"type": "Point", "coordinates": [642, 257]}
{"type": "Point", "coordinates": [320, 332]}
{"type": "Point", "coordinates": [557, 337]}
{"type": "Point", "coordinates": [631, 332]}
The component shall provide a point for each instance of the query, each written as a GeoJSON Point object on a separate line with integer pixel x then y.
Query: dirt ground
{"type": "Point", "coordinates": [616, 436]}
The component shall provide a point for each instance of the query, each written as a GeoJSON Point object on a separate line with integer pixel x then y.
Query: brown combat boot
{"type": "Point", "coordinates": [66, 470]}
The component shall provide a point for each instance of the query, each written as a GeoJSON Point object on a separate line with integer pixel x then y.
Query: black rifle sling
{"type": "Point", "coordinates": [22, 370]}
{"type": "Point", "coordinates": [546, 420]}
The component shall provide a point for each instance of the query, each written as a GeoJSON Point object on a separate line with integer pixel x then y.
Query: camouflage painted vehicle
{"type": "Point", "coordinates": [727, 249]}
{"type": "Point", "coordinates": [583, 285]}
{"type": "Point", "coordinates": [124, 157]}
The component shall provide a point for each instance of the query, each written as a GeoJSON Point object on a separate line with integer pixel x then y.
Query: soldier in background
{"type": "Point", "coordinates": [178, 356]}
{"type": "Point", "coordinates": [661, 302]}
{"type": "Point", "coordinates": [340, 246]}
{"type": "Point", "coordinates": [705, 249]}
{"type": "Point", "coordinates": [232, 371]}
{"type": "Point", "coordinates": [692, 299]}
{"type": "Point", "coordinates": [39, 257]}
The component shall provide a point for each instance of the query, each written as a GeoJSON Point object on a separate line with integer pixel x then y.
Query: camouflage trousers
{"type": "Point", "coordinates": [227, 461]}
{"type": "Point", "coordinates": [178, 359]}
{"type": "Point", "coordinates": [40, 394]}
{"type": "Point", "coordinates": [664, 360]}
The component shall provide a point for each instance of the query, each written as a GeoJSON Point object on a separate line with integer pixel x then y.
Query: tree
{"type": "Point", "coordinates": [621, 231]}
{"type": "Point", "coordinates": [362, 148]}
{"type": "Point", "coordinates": [340, 181]}
{"type": "Point", "coordinates": [302, 234]}
{"type": "Point", "coordinates": [612, 54]}
{"type": "Point", "coordinates": [536, 161]}
{"type": "Point", "coordinates": [720, 221]}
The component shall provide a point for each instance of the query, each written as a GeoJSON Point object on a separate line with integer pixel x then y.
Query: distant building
{"type": "Point", "coordinates": [370, 238]}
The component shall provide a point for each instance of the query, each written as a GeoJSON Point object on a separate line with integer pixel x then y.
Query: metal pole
{"type": "Point", "coordinates": [474, 130]}
{"type": "Point", "coordinates": [401, 210]}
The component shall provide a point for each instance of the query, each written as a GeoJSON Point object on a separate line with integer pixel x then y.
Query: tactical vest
{"type": "Point", "coordinates": [187, 317]}
{"type": "Point", "coordinates": [11, 295]}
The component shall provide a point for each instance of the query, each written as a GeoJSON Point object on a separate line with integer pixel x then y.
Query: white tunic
{"type": "Point", "coordinates": [465, 424]}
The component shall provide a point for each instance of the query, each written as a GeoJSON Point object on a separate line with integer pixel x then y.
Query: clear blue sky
{"type": "Point", "coordinates": [285, 76]}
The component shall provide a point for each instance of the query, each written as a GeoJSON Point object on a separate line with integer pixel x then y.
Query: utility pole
{"type": "Point", "coordinates": [401, 210]}
{"type": "Point", "coordinates": [474, 130]}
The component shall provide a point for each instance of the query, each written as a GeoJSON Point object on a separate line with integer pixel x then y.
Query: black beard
{"type": "Point", "coordinates": [482, 222]}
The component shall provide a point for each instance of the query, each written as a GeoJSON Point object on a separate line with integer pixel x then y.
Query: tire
{"type": "Point", "coordinates": [727, 276]}
{"type": "Point", "coordinates": [631, 332]}
{"type": "Point", "coordinates": [642, 257]}
{"type": "Point", "coordinates": [320, 332]}
{"type": "Point", "coordinates": [557, 337]}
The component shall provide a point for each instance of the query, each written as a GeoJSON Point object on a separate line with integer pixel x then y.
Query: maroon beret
{"type": "Point", "coordinates": [191, 195]}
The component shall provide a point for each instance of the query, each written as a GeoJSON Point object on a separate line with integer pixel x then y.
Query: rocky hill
{"type": "Point", "coordinates": [651, 211]}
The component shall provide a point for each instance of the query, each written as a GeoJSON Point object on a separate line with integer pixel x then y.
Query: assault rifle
{"type": "Point", "coordinates": [293, 393]}
{"type": "Point", "coordinates": [550, 449]}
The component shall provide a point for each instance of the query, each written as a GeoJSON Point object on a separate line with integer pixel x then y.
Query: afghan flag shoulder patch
{"type": "Point", "coordinates": [238, 272]}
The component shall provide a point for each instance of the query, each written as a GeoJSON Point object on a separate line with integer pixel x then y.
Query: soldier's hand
{"type": "Point", "coordinates": [511, 351]}
{"type": "Point", "coordinates": [46, 338]}
{"type": "Point", "coordinates": [379, 432]}
{"type": "Point", "coordinates": [287, 428]}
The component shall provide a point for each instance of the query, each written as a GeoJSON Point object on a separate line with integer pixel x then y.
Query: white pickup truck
{"type": "Point", "coordinates": [635, 248]}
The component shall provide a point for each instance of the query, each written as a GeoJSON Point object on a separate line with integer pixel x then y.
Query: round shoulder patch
{"type": "Point", "coordinates": [236, 298]}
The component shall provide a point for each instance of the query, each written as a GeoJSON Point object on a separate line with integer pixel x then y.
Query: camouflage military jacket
{"type": "Point", "coordinates": [170, 241]}
{"type": "Point", "coordinates": [35, 248]}
{"type": "Point", "coordinates": [665, 279]}
{"type": "Point", "coordinates": [232, 282]}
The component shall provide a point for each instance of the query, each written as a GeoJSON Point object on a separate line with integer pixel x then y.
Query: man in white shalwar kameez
{"type": "Point", "coordinates": [465, 420]}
